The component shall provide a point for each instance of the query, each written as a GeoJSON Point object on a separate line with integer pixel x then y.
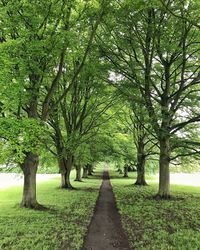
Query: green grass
{"type": "Point", "coordinates": [151, 224]}
{"type": "Point", "coordinates": [61, 227]}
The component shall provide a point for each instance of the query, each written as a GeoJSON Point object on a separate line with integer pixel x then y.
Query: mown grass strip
{"type": "Point", "coordinates": [173, 224]}
{"type": "Point", "coordinates": [62, 226]}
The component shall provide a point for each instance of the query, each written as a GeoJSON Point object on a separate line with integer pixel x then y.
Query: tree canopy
{"type": "Point", "coordinates": [89, 81]}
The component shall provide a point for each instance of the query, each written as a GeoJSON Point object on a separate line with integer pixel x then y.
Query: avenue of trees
{"type": "Point", "coordinates": [97, 80]}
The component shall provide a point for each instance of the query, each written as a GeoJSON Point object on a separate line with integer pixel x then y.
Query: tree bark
{"type": "Point", "coordinates": [65, 166]}
{"type": "Point", "coordinates": [141, 160]}
{"type": "Point", "coordinates": [63, 180]}
{"type": "Point", "coordinates": [78, 173]}
{"type": "Point", "coordinates": [164, 174]}
{"type": "Point", "coordinates": [90, 169]}
{"type": "Point", "coordinates": [69, 164]}
{"type": "Point", "coordinates": [85, 172]}
{"type": "Point", "coordinates": [62, 168]}
{"type": "Point", "coordinates": [125, 171]}
{"type": "Point", "coordinates": [29, 168]}
{"type": "Point", "coordinates": [141, 172]}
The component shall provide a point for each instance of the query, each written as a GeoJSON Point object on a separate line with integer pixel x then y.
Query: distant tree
{"type": "Point", "coordinates": [78, 116]}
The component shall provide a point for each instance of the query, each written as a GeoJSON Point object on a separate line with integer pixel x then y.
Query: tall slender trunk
{"type": "Point", "coordinates": [164, 174]}
{"type": "Point", "coordinates": [29, 168]}
{"type": "Point", "coordinates": [69, 163]}
{"type": "Point", "coordinates": [78, 173]}
{"type": "Point", "coordinates": [125, 171]}
{"type": "Point", "coordinates": [65, 166]}
{"type": "Point", "coordinates": [141, 172]}
{"type": "Point", "coordinates": [62, 170]}
{"type": "Point", "coordinates": [85, 172]}
{"type": "Point", "coordinates": [90, 169]}
{"type": "Point", "coordinates": [141, 160]}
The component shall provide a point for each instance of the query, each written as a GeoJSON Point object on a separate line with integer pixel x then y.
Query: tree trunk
{"type": "Point", "coordinates": [90, 169]}
{"type": "Point", "coordinates": [69, 164]}
{"type": "Point", "coordinates": [120, 171]}
{"type": "Point", "coordinates": [141, 172]}
{"type": "Point", "coordinates": [65, 166]}
{"type": "Point", "coordinates": [62, 169]}
{"type": "Point", "coordinates": [125, 171]}
{"type": "Point", "coordinates": [29, 168]}
{"type": "Point", "coordinates": [164, 175]}
{"type": "Point", "coordinates": [78, 173]}
{"type": "Point", "coordinates": [85, 172]}
{"type": "Point", "coordinates": [63, 179]}
{"type": "Point", "coordinates": [141, 159]}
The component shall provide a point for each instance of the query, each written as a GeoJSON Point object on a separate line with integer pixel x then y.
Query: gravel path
{"type": "Point", "coordinates": [105, 231]}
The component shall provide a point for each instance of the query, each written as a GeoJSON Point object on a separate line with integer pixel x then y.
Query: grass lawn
{"type": "Point", "coordinates": [150, 224]}
{"type": "Point", "coordinates": [61, 227]}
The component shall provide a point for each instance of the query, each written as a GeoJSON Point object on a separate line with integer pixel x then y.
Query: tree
{"type": "Point", "coordinates": [144, 139]}
{"type": "Point", "coordinates": [159, 53]}
{"type": "Point", "coordinates": [25, 37]}
{"type": "Point", "coordinates": [79, 115]}
{"type": "Point", "coordinates": [135, 119]}
{"type": "Point", "coordinates": [34, 51]}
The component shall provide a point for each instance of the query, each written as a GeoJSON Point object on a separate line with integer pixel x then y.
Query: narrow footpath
{"type": "Point", "coordinates": [105, 231]}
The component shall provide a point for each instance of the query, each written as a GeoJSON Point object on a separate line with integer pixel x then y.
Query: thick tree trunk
{"type": "Point", "coordinates": [29, 168]}
{"type": "Point", "coordinates": [68, 171]}
{"type": "Point", "coordinates": [63, 179]}
{"type": "Point", "coordinates": [62, 169]}
{"type": "Point", "coordinates": [125, 171]}
{"type": "Point", "coordinates": [141, 172]}
{"type": "Point", "coordinates": [65, 166]}
{"type": "Point", "coordinates": [164, 174]}
{"type": "Point", "coordinates": [141, 159]}
{"type": "Point", "coordinates": [85, 172]}
{"type": "Point", "coordinates": [90, 169]}
{"type": "Point", "coordinates": [78, 173]}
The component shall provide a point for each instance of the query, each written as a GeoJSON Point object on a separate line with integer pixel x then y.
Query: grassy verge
{"type": "Point", "coordinates": [151, 224]}
{"type": "Point", "coordinates": [63, 226]}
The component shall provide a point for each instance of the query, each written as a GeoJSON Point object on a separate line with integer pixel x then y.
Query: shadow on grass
{"type": "Point", "coordinates": [87, 189]}
{"type": "Point", "coordinates": [95, 175]}
{"type": "Point", "coordinates": [39, 208]}
{"type": "Point", "coordinates": [120, 177]}
{"type": "Point", "coordinates": [156, 198]}
{"type": "Point", "coordinates": [75, 189]}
